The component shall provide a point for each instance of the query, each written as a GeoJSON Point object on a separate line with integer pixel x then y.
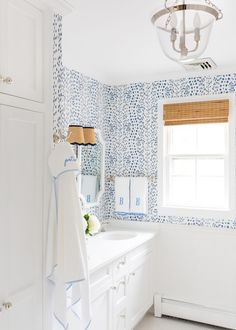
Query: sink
{"type": "Point", "coordinates": [116, 235]}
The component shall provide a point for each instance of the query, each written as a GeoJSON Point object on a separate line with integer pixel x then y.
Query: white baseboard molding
{"type": "Point", "coordinates": [194, 312]}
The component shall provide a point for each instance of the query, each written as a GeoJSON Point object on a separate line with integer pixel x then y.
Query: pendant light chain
{"type": "Point", "coordinates": [170, 13]}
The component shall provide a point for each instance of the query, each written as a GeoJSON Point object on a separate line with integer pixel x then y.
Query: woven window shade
{"type": "Point", "coordinates": [205, 112]}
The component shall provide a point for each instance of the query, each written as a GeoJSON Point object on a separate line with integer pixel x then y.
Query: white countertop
{"type": "Point", "coordinates": [102, 249]}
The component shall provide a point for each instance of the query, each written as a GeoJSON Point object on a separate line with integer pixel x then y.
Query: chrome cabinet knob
{"type": "Point", "coordinates": [114, 288]}
{"type": "Point", "coordinates": [130, 275]}
{"type": "Point", "coordinates": [6, 80]}
{"type": "Point", "coordinates": [120, 264]}
{"type": "Point", "coordinates": [7, 305]}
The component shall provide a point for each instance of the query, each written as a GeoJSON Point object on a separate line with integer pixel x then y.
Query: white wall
{"type": "Point", "coordinates": [196, 266]}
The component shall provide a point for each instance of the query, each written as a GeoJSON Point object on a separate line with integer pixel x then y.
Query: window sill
{"type": "Point", "coordinates": [228, 214]}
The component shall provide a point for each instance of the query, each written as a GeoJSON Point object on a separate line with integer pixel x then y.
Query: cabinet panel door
{"type": "Point", "coordinates": [120, 320]}
{"type": "Point", "coordinates": [2, 18]}
{"type": "Point", "coordinates": [3, 240]}
{"type": "Point", "coordinates": [139, 290]}
{"type": "Point", "coordinates": [22, 51]}
{"type": "Point", "coordinates": [22, 140]}
{"type": "Point", "coordinates": [101, 311]}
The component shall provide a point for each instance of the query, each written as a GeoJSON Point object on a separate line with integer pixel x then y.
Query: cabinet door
{"type": "Point", "coordinates": [101, 311]}
{"type": "Point", "coordinates": [139, 290]}
{"type": "Point", "coordinates": [21, 49]}
{"type": "Point", "coordinates": [21, 216]}
{"type": "Point", "coordinates": [3, 240]}
{"type": "Point", "coordinates": [120, 304]}
{"type": "Point", "coordinates": [120, 320]}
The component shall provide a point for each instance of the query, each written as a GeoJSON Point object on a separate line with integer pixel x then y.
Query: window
{"type": "Point", "coordinates": [197, 160]}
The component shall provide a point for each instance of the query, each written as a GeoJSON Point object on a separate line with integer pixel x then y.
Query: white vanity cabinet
{"type": "Point", "coordinates": [21, 44]}
{"type": "Point", "coordinates": [122, 291]}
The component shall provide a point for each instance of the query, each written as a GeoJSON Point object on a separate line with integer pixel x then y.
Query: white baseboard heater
{"type": "Point", "coordinates": [193, 312]}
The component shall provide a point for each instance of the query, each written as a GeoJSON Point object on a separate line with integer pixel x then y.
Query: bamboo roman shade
{"type": "Point", "coordinates": [205, 112]}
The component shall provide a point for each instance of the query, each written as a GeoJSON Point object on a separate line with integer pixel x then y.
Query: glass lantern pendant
{"type": "Point", "coordinates": [184, 28]}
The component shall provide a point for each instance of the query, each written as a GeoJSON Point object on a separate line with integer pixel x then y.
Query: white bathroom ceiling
{"type": "Point", "coordinates": [115, 42]}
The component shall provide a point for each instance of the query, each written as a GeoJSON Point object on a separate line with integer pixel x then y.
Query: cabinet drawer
{"type": "Point", "coordinates": [100, 281]}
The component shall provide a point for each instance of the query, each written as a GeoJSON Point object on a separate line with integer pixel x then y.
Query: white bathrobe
{"type": "Point", "coordinates": [67, 267]}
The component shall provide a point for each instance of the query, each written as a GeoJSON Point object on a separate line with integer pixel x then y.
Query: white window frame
{"type": "Point", "coordinates": [198, 212]}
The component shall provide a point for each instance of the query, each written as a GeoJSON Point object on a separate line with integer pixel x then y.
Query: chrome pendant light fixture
{"type": "Point", "coordinates": [184, 27]}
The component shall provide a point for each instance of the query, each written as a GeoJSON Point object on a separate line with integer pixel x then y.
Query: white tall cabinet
{"type": "Point", "coordinates": [21, 217]}
{"type": "Point", "coordinates": [26, 61]}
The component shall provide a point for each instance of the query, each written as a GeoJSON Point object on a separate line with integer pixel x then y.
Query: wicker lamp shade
{"type": "Point", "coordinates": [89, 136]}
{"type": "Point", "coordinates": [75, 135]}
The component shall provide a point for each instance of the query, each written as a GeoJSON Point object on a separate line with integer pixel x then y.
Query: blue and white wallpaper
{"type": "Point", "coordinates": [127, 116]}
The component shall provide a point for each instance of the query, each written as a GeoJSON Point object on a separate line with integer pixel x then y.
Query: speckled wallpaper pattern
{"type": "Point", "coordinates": [127, 116]}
